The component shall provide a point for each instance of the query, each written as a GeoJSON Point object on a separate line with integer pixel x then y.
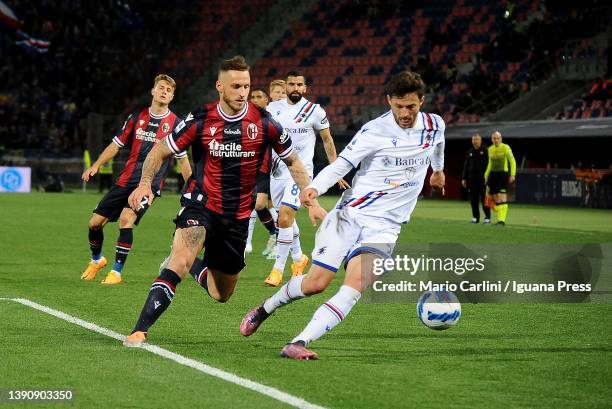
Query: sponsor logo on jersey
{"type": "Point", "coordinates": [232, 131]}
{"type": "Point", "coordinates": [153, 124]}
{"type": "Point", "coordinates": [252, 131]}
{"type": "Point", "coordinates": [324, 121]}
{"type": "Point", "coordinates": [147, 136]}
{"type": "Point", "coordinates": [412, 161]}
{"type": "Point", "coordinates": [296, 130]}
{"type": "Point", "coordinates": [189, 117]}
{"type": "Point", "coordinates": [397, 184]}
{"type": "Point", "coordinates": [228, 150]}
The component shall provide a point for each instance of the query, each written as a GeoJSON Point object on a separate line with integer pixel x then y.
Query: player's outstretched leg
{"type": "Point", "coordinates": [187, 242]}
{"type": "Point", "coordinates": [96, 239]}
{"type": "Point", "coordinates": [160, 296]}
{"type": "Point", "coordinates": [334, 311]}
{"type": "Point", "coordinates": [317, 279]}
{"type": "Point", "coordinates": [326, 317]}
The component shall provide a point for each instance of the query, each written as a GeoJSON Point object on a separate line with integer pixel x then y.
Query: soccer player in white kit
{"type": "Point", "coordinates": [395, 151]}
{"type": "Point", "coordinates": [302, 119]}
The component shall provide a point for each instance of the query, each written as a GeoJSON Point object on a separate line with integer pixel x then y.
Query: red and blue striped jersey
{"type": "Point", "coordinates": [140, 132]}
{"type": "Point", "coordinates": [228, 153]}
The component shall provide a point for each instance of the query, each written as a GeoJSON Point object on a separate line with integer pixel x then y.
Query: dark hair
{"type": "Point", "coordinates": [262, 90]}
{"type": "Point", "coordinates": [406, 82]}
{"type": "Point", "coordinates": [236, 63]}
{"type": "Point", "coordinates": [295, 73]}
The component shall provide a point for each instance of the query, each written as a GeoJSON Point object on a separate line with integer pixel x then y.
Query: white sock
{"type": "Point", "coordinates": [328, 315]}
{"type": "Point", "coordinates": [296, 248]}
{"type": "Point", "coordinates": [291, 291]}
{"type": "Point", "coordinates": [274, 214]}
{"type": "Point", "coordinates": [284, 240]}
{"type": "Point", "coordinates": [252, 221]}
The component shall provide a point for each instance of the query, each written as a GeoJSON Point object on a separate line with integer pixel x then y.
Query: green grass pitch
{"type": "Point", "coordinates": [499, 355]}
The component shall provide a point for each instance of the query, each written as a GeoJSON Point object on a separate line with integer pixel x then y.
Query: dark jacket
{"type": "Point", "coordinates": [475, 163]}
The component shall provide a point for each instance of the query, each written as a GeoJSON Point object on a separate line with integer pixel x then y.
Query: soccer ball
{"type": "Point", "coordinates": [438, 309]}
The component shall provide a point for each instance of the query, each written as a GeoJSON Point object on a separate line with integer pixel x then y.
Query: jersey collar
{"type": "Point", "coordinates": [152, 115]}
{"type": "Point", "coordinates": [233, 118]}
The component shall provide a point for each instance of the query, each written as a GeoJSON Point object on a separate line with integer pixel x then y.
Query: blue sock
{"type": "Point", "coordinates": [118, 266]}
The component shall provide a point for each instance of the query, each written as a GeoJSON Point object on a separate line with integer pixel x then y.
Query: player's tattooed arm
{"type": "Point", "coordinates": [185, 167]}
{"type": "Point", "coordinates": [153, 162]}
{"type": "Point", "coordinates": [297, 170]}
{"type": "Point", "coordinates": [150, 167]}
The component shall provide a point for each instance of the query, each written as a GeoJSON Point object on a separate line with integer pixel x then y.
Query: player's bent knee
{"type": "Point", "coordinates": [285, 219]}
{"type": "Point", "coordinates": [96, 223]}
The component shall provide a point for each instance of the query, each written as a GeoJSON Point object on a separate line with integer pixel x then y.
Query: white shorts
{"type": "Point", "coordinates": [285, 192]}
{"type": "Point", "coordinates": [343, 236]}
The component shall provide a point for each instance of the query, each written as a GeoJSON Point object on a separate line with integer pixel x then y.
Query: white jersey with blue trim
{"type": "Point", "coordinates": [394, 163]}
{"type": "Point", "coordinates": [301, 121]}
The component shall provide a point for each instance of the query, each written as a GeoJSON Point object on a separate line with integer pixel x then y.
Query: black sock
{"type": "Point", "coordinates": [160, 297]}
{"type": "Point", "coordinates": [96, 238]}
{"type": "Point", "coordinates": [199, 272]}
{"type": "Point", "coordinates": [265, 217]}
{"type": "Point", "coordinates": [122, 249]}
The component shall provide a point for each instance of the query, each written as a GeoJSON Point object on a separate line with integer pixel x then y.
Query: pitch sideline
{"type": "Point", "coordinates": [180, 359]}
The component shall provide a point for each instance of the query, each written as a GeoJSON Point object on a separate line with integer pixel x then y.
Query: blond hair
{"type": "Point", "coordinates": [277, 83]}
{"type": "Point", "coordinates": [164, 77]}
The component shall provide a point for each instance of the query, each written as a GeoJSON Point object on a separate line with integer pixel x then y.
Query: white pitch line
{"type": "Point", "coordinates": [154, 349]}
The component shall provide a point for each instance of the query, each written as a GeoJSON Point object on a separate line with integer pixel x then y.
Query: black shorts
{"type": "Point", "coordinates": [115, 200]}
{"type": "Point", "coordinates": [498, 182]}
{"type": "Point", "coordinates": [225, 237]}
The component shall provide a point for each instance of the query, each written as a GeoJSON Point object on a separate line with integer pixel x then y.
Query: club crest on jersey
{"type": "Point", "coordinates": [252, 131]}
{"type": "Point", "coordinates": [213, 129]}
{"type": "Point", "coordinates": [165, 127]}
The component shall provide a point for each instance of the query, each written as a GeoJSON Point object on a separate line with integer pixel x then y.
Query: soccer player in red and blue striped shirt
{"type": "Point", "coordinates": [230, 142]}
{"type": "Point", "coordinates": [141, 131]}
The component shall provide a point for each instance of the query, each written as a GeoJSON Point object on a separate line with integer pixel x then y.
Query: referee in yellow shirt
{"type": "Point", "coordinates": [500, 173]}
